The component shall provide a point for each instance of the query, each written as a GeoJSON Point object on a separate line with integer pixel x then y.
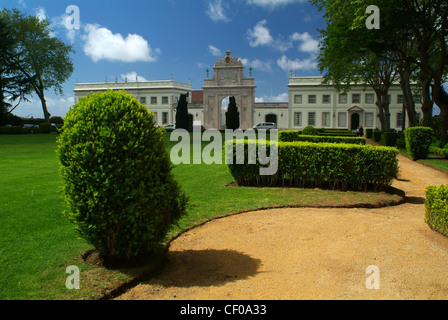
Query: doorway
{"type": "Point", "coordinates": [271, 118]}
{"type": "Point", "coordinates": [356, 121]}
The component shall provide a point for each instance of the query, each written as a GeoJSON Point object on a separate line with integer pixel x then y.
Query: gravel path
{"type": "Point", "coordinates": [311, 253]}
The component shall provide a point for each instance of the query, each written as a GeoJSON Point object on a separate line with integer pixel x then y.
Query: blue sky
{"type": "Point", "coordinates": [156, 38]}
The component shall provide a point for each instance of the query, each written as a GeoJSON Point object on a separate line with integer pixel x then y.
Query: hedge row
{"type": "Point", "coordinates": [321, 165]}
{"type": "Point", "coordinates": [443, 152]}
{"type": "Point", "coordinates": [21, 130]}
{"type": "Point", "coordinates": [436, 205]}
{"type": "Point", "coordinates": [294, 136]}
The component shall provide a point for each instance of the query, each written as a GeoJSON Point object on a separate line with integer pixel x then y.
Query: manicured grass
{"type": "Point", "coordinates": [432, 160]}
{"type": "Point", "coordinates": [37, 242]}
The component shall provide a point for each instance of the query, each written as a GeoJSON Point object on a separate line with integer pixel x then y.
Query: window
{"type": "Point", "coordinates": [298, 119]}
{"type": "Point", "coordinates": [325, 119]}
{"type": "Point", "coordinates": [399, 119]}
{"type": "Point", "coordinates": [164, 100]}
{"type": "Point", "coordinates": [370, 98]}
{"type": "Point", "coordinates": [312, 98]}
{"type": "Point", "coordinates": [342, 120]}
{"type": "Point", "coordinates": [326, 98]}
{"type": "Point", "coordinates": [369, 120]}
{"type": "Point", "coordinates": [312, 118]}
{"type": "Point", "coordinates": [164, 117]}
{"type": "Point", "coordinates": [143, 100]}
{"type": "Point", "coordinates": [356, 98]}
{"type": "Point", "coordinates": [342, 98]}
{"type": "Point", "coordinates": [153, 100]}
{"type": "Point", "coordinates": [155, 117]}
{"type": "Point", "coordinates": [417, 99]}
{"type": "Point", "coordinates": [298, 99]}
{"type": "Point", "coordinates": [400, 99]}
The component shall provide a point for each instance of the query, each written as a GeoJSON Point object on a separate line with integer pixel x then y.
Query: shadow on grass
{"type": "Point", "coordinates": [195, 268]}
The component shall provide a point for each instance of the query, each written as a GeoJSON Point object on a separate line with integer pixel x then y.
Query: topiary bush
{"type": "Point", "coordinates": [369, 133]}
{"type": "Point", "coordinates": [116, 170]}
{"type": "Point", "coordinates": [418, 141]}
{"type": "Point", "coordinates": [310, 131]}
{"type": "Point", "coordinates": [436, 205]}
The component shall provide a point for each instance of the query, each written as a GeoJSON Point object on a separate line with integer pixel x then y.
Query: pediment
{"type": "Point", "coordinates": [355, 109]}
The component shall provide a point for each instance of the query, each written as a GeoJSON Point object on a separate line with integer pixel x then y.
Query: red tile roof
{"type": "Point", "coordinates": [197, 96]}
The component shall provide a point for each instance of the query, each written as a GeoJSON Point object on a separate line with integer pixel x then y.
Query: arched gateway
{"type": "Point", "coordinates": [228, 80]}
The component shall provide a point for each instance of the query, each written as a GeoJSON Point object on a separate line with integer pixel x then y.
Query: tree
{"type": "Point", "coordinates": [182, 121]}
{"type": "Point", "coordinates": [345, 57]}
{"type": "Point", "coordinates": [42, 60]}
{"type": "Point", "coordinates": [13, 86]}
{"type": "Point", "coordinates": [232, 115]}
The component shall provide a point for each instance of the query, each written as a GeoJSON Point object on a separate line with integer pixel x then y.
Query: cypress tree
{"type": "Point", "coordinates": [182, 113]}
{"type": "Point", "coordinates": [232, 115]}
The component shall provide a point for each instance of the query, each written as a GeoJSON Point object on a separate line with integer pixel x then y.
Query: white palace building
{"type": "Point", "coordinates": [310, 102]}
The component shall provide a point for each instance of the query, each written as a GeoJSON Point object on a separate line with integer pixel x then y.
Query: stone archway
{"type": "Point", "coordinates": [228, 80]}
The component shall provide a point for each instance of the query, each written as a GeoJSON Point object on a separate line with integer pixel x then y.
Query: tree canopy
{"type": "Point", "coordinates": [410, 46]}
{"type": "Point", "coordinates": [42, 61]}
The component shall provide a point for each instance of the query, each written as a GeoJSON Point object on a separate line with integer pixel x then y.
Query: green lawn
{"type": "Point", "coordinates": [37, 243]}
{"type": "Point", "coordinates": [432, 160]}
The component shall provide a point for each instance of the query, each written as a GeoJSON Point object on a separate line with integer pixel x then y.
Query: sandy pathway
{"type": "Point", "coordinates": [311, 253]}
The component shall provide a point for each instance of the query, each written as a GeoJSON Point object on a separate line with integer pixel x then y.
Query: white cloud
{"type": "Point", "coordinates": [272, 4]}
{"type": "Point", "coordinates": [215, 51]}
{"type": "Point", "coordinates": [288, 65]}
{"type": "Point", "coordinates": [308, 43]}
{"type": "Point", "coordinates": [59, 23]}
{"type": "Point", "coordinates": [260, 35]}
{"type": "Point", "coordinates": [216, 11]}
{"type": "Point", "coordinates": [22, 4]}
{"type": "Point", "coordinates": [102, 44]}
{"type": "Point", "coordinates": [257, 64]}
{"type": "Point", "coordinates": [282, 97]}
{"type": "Point", "coordinates": [132, 77]}
{"type": "Point", "coordinates": [40, 13]}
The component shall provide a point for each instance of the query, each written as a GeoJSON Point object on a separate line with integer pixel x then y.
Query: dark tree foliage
{"type": "Point", "coordinates": [182, 121]}
{"type": "Point", "coordinates": [232, 115]}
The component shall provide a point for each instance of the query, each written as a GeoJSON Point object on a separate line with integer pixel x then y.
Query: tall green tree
{"type": "Point", "coordinates": [345, 58]}
{"type": "Point", "coordinates": [42, 60]}
{"type": "Point", "coordinates": [13, 86]}
{"type": "Point", "coordinates": [232, 115]}
{"type": "Point", "coordinates": [182, 120]}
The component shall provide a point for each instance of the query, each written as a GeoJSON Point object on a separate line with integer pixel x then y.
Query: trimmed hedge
{"type": "Point", "coordinates": [321, 165]}
{"type": "Point", "coordinates": [436, 205]}
{"type": "Point", "coordinates": [369, 133]}
{"type": "Point", "coordinates": [377, 136]}
{"type": "Point", "coordinates": [443, 152]}
{"type": "Point", "coordinates": [389, 138]}
{"type": "Point", "coordinates": [418, 141]}
{"type": "Point", "coordinates": [293, 136]}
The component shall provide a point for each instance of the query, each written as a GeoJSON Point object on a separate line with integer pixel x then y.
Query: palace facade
{"type": "Point", "coordinates": [310, 102]}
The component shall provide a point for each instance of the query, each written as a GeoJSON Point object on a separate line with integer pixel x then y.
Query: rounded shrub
{"type": "Point", "coordinates": [418, 141]}
{"type": "Point", "coordinates": [310, 131]}
{"type": "Point", "coordinates": [116, 171]}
